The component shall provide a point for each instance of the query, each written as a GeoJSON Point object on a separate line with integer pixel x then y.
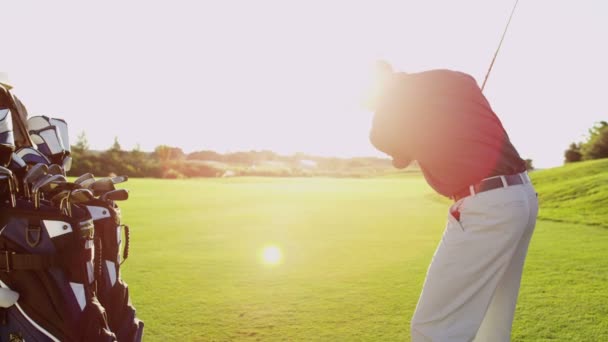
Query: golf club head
{"type": "Point", "coordinates": [32, 175]}
{"type": "Point", "coordinates": [40, 180]}
{"type": "Point", "coordinates": [87, 183]}
{"type": "Point", "coordinates": [119, 179]}
{"type": "Point", "coordinates": [57, 199]}
{"type": "Point", "coordinates": [9, 187]}
{"type": "Point", "coordinates": [18, 166]}
{"type": "Point", "coordinates": [12, 184]}
{"type": "Point", "coordinates": [7, 139]}
{"type": "Point", "coordinates": [6, 171]}
{"type": "Point", "coordinates": [32, 156]}
{"type": "Point", "coordinates": [6, 127]}
{"type": "Point", "coordinates": [17, 163]}
{"type": "Point", "coordinates": [53, 183]}
{"type": "Point", "coordinates": [62, 126]}
{"type": "Point", "coordinates": [67, 163]}
{"type": "Point", "coordinates": [47, 137]}
{"type": "Point", "coordinates": [76, 197]}
{"type": "Point", "coordinates": [55, 169]}
{"type": "Point", "coordinates": [115, 195]}
{"type": "Point", "coordinates": [101, 186]}
{"type": "Point", "coordinates": [84, 177]}
{"type": "Point", "coordinates": [44, 182]}
{"type": "Point", "coordinates": [81, 196]}
{"type": "Point", "coordinates": [59, 186]}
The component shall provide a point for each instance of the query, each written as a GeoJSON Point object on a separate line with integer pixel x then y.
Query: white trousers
{"type": "Point", "coordinates": [472, 284]}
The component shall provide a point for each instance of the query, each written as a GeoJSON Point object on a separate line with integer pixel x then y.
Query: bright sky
{"type": "Point", "coordinates": [289, 76]}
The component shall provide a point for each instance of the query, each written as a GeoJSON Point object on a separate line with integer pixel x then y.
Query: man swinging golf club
{"type": "Point", "coordinates": [441, 119]}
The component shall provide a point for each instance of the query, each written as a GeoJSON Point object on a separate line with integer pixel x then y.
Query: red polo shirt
{"type": "Point", "coordinates": [441, 119]}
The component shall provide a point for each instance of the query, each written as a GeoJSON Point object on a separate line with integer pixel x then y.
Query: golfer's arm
{"type": "Point", "coordinates": [392, 142]}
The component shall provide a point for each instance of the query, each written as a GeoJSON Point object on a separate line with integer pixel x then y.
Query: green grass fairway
{"type": "Point", "coordinates": [355, 256]}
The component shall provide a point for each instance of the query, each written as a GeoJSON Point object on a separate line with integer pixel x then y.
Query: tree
{"type": "Point", "coordinates": [165, 153]}
{"type": "Point", "coordinates": [206, 155]}
{"type": "Point", "coordinates": [82, 144]}
{"type": "Point", "coordinates": [529, 165]}
{"type": "Point", "coordinates": [573, 153]}
{"type": "Point", "coordinates": [115, 146]}
{"type": "Point", "coordinates": [597, 145]}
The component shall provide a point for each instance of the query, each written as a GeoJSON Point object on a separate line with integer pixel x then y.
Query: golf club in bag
{"type": "Point", "coordinates": [112, 291]}
{"type": "Point", "coordinates": [50, 135]}
{"type": "Point", "coordinates": [31, 156]}
{"type": "Point", "coordinates": [53, 268]}
{"type": "Point", "coordinates": [48, 259]}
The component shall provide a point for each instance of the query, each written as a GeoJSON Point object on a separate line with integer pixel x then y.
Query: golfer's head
{"type": "Point", "coordinates": [382, 78]}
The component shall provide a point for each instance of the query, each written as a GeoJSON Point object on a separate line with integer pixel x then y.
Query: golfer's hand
{"type": "Point", "coordinates": [401, 163]}
{"type": "Point", "coordinates": [385, 137]}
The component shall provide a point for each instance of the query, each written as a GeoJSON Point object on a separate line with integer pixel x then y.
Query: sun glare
{"type": "Point", "coordinates": [271, 255]}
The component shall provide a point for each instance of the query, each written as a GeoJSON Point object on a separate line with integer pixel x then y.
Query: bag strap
{"type": "Point", "coordinates": [12, 261]}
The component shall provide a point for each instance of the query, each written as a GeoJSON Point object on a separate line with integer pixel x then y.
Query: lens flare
{"type": "Point", "coordinates": [271, 255]}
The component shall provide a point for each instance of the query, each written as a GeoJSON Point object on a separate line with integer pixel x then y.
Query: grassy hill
{"type": "Point", "coordinates": [574, 193]}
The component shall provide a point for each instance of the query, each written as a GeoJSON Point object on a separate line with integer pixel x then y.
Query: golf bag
{"type": "Point", "coordinates": [13, 131]}
{"type": "Point", "coordinates": [48, 258]}
{"type": "Point", "coordinates": [60, 241]}
{"type": "Point", "coordinates": [112, 291]}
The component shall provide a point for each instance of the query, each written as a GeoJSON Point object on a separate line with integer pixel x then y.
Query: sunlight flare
{"type": "Point", "coordinates": [272, 255]}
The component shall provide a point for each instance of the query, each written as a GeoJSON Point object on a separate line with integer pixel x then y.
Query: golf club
{"type": "Point", "coordinates": [45, 184]}
{"type": "Point", "coordinates": [12, 184]}
{"type": "Point", "coordinates": [115, 195]}
{"type": "Point", "coordinates": [18, 166]}
{"type": "Point", "coordinates": [119, 179]}
{"type": "Point", "coordinates": [87, 183]}
{"type": "Point", "coordinates": [103, 185]}
{"type": "Point", "coordinates": [78, 196]}
{"type": "Point", "coordinates": [58, 200]}
{"type": "Point", "coordinates": [47, 137]}
{"type": "Point", "coordinates": [32, 156]}
{"type": "Point", "coordinates": [62, 126]}
{"type": "Point", "coordinates": [67, 163]}
{"type": "Point", "coordinates": [55, 169]}
{"type": "Point", "coordinates": [17, 163]}
{"type": "Point", "coordinates": [83, 177]}
{"type": "Point", "coordinates": [32, 175]}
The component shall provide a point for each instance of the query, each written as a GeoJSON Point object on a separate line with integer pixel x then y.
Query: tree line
{"type": "Point", "coordinates": [171, 162]}
{"type": "Point", "coordinates": [595, 146]}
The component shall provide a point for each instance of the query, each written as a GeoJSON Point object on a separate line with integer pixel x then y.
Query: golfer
{"type": "Point", "coordinates": [441, 119]}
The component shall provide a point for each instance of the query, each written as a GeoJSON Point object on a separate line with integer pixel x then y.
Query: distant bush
{"type": "Point", "coordinates": [172, 174]}
{"type": "Point", "coordinates": [595, 147]}
{"type": "Point", "coordinates": [573, 153]}
{"type": "Point", "coordinates": [193, 168]}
